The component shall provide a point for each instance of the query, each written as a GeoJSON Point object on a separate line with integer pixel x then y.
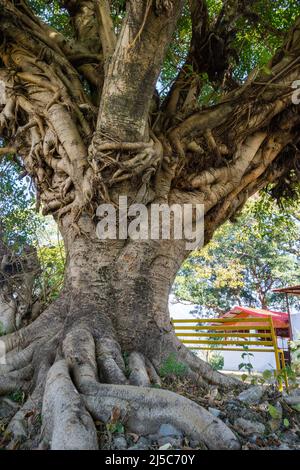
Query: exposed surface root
{"type": "Point", "coordinates": [23, 424]}
{"type": "Point", "coordinates": [198, 370]}
{"type": "Point", "coordinates": [138, 372]}
{"type": "Point", "coordinates": [62, 370]}
{"type": "Point", "coordinates": [145, 409]}
{"type": "Point", "coordinates": [153, 375]}
{"type": "Point", "coordinates": [18, 359]}
{"type": "Point", "coordinates": [49, 322]}
{"type": "Point", "coordinates": [67, 424]}
{"type": "Point", "coordinates": [207, 373]}
{"type": "Point", "coordinates": [110, 361]}
{"type": "Point", "coordinates": [15, 380]}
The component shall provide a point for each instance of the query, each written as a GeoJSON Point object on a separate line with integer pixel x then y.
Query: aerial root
{"type": "Point", "coordinates": [125, 146]}
{"type": "Point", "coordinates": [143, 410]}
{"type": "Point", "coordinates": [147, 157]}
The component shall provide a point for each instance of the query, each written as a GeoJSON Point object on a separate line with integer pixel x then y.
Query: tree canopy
{"type": "Point", "coordinates": [217, 49]}
{"type": "Point", "coordinates": [162, 101]}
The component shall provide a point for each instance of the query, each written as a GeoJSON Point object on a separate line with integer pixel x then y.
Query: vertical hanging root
{"type": "Point", "coordinates": [67, 425]}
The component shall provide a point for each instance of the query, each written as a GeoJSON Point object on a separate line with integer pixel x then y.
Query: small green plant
{"type": "Point", "coordinates": [115, 428]}
{"type": "Point", "coordinates": [296, 407]}
{"type": "Point", "coordinates": [115, 425]}
{"type": "Point", "coordinates": [18, 396]}
{"type": "Point", "coordinates": [1, 329]}
{"type": "Point", "coordinates": [216, 361]}
{"type": "Point", "coordinates": [270, 376]}
{"type": "Point", "coordinates": [171, 367]}
{"type": "Point", "coordinates": [155, 386]}
{"type": "Point", "coordinates": [246, 364]}
{"type": "Point", "coordinates": [286, 423]}
{"type": "Point", "coordinates": [267, 375]}
{"type": "Point", "coordinates": [274, 412]}
{"type": "Point", "coordinates": [39, 419]}
{"type": "Point", "coordinates": [287, 374]}
{"type": "Point", "coordinates": [295, 350]}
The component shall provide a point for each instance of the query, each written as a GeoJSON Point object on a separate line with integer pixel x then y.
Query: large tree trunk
{"type": "Point", "coordinates": [78, 115]}
{"type": "Point", "coordinates": [114, 305]}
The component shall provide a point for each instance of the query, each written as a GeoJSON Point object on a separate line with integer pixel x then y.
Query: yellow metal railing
{"type": "Point", "coordinates": [220, 334]}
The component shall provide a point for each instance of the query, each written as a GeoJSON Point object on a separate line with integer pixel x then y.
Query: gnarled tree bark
{"type": "Point", "coordinates": [70, 360]}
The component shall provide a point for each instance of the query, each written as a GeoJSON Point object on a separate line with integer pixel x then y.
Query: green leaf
{"type": "Point", "coordinates": [267, 70]}
{"type": "Point", "coordinates": [267, 374]}
{"type": "Point", "coordinates": [274, 413]}
{"type": "Point", "coordinates": [117, 428]}
{"type": "Point", "coordinates": [286, 422]}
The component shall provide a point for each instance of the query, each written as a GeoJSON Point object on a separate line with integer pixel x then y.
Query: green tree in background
{"type": "Point", "coordinates": [245, 260]}
{"type": "Point", "coordinates": [31, 267]}
{"type": "Point", "coordinates": [20, 223]}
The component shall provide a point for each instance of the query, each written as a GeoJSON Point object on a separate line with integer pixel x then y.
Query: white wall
{"type": "Point", "coordinates": [295, 321]}
{"type": "Point", "coordinates": [260, 360]}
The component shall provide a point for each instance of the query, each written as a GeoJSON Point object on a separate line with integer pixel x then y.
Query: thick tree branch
{"type": "Point", "coordinates": [7, 150]}
{"type": "Point", "coordinates": [235, 148]}
{"type": "Point", "coordinates": [44, 100]}
{"type": "Point", "coordinates": [85, 54]}
{"type": "Point", "coordinates": [146, 33]}
{"type": "Point", "coordinates": [83, 18]}
{"type": "Point", "coordinates": [94, 30]}
{"type": "Point", "coordinates": [252, 106]}
{"type": "Point", "coordinates": [210, 53]}
{"type": "Point", "coordinates": [106, 28]}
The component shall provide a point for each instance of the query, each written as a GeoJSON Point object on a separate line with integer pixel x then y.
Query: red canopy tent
{"type": "Point", "coordinates": [280, 319]}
